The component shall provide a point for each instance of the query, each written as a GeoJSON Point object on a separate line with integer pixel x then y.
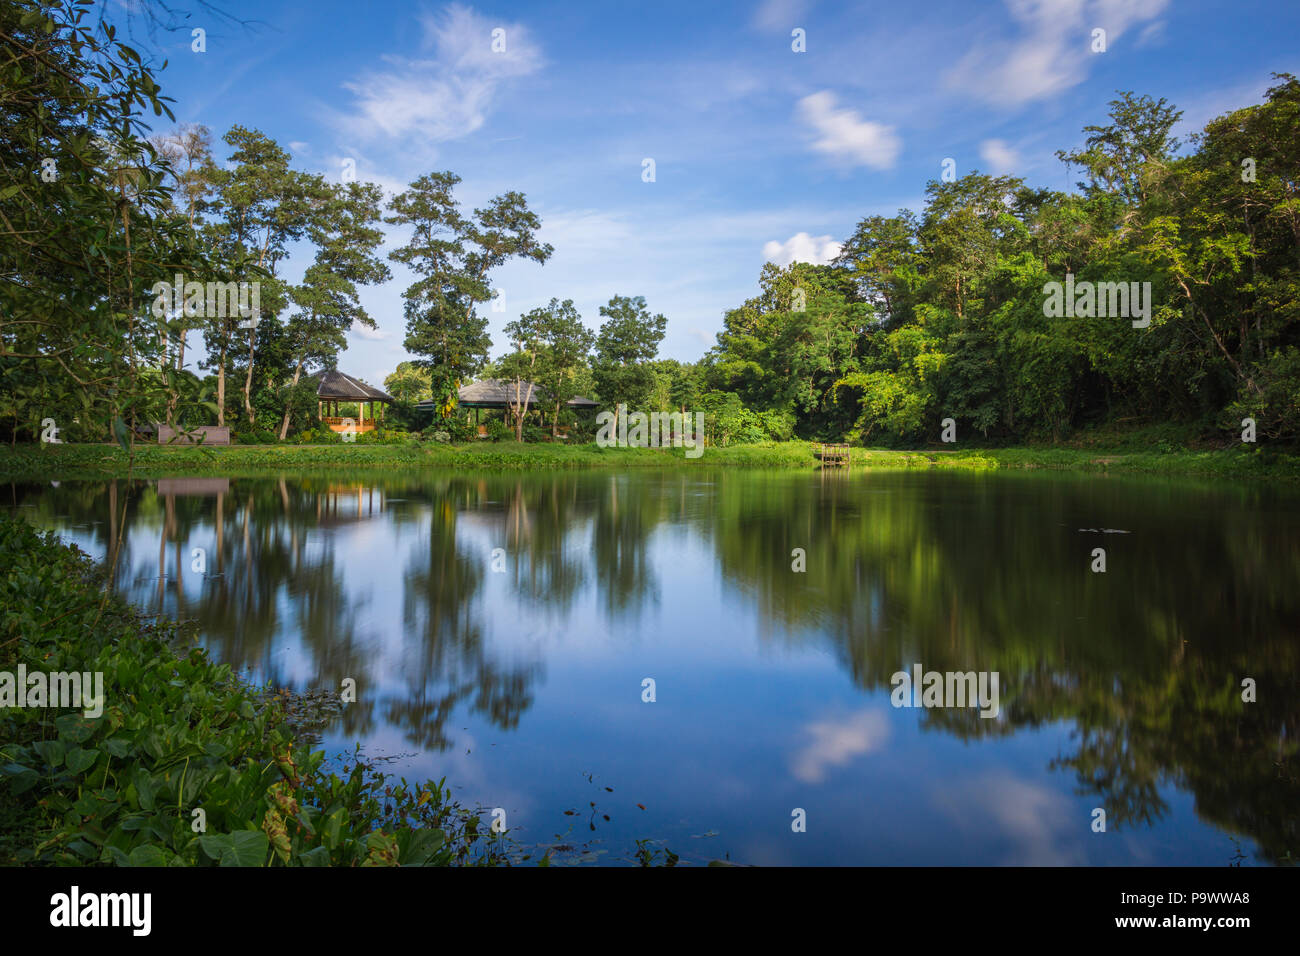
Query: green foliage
{"type": "Point", "coordinates": [941, 315]}
{"type": "Point", "coordinates": [179, 732]}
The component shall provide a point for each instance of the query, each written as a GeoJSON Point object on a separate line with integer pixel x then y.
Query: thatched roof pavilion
{"type": "Point", "coordinates": [334, 387]}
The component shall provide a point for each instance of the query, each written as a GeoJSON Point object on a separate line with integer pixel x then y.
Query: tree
{"type": "Point", "coordinates": [409, 383]}
{"type": "Point", "coordinates": [188, 153]}
{"type": "Point", "coordinates": [565, 346]}
{"type": "Point", "coordinates": [261, 206]}
{"type": "Point", "coordinates": [344, 231]}
{"type": "Point", "coordinates": [628, 339]}
{"type": "Point", "coordinates": [86, 224]}
{"type": "Point", "coordinates": [452, 255]}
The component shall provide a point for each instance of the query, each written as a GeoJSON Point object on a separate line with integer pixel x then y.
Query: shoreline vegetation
{"type": "Point", "coordinates": [58, 462]}
{"type": "Point", "coordinates": [188, 764]}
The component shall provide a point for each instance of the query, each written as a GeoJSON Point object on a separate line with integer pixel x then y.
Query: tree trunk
{"type": "Point", "coordinates": [248, 379]}
{"type": "Point", "coordinates": [284, 425]}
{"type": "Point", "coordinates": [221, 389]}
{"type": "Point", "coordinates": [174, 397]}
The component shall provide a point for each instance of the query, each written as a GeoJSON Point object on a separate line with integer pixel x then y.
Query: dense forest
{"type": "Point", "coordinates": [923, 317]}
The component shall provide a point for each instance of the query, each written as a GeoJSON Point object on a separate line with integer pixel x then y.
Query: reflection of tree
{"type": "Point", "coordinates": [965, 573]}
{"type": "Point", "coordinates": [448, 663]}
{"type": "Point", "coordinates": [626, 515]}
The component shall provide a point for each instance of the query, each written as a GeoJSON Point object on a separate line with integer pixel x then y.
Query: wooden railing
{"type": "Point", "coordinates": [833, 454]}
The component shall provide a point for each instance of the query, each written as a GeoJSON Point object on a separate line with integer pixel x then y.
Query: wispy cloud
{"type": "Point", "coordinates": [1053, 51]}
{"type": "Point", "coordinates": [781, 14]}
{"type": "Point", "coordinates": [846, 136]}
{"type": "Point", "coordinates": [448, 93]}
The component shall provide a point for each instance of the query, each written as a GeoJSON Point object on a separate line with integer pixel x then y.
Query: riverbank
{"type": "Point", "coordinates": [56, 462]}
{"type": "Point", "coordinates": [178, 761]}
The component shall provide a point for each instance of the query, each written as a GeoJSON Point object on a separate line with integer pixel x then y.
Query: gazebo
{"type": "Point", "coordinates": [502, 393]}
{"type": "Point", "coordinates": [334, 387]}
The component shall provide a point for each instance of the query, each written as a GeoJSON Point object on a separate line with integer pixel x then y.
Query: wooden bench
{"type": "Point", "coordinates": [199, 434]}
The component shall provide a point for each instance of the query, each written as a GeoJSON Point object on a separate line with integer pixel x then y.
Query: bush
{"type": "Point", "coordinates": [498, 430]}
{"type": "Point", "coordinates": [255, 436]}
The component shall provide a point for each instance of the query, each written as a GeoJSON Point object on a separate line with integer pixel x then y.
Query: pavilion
{"type": "Point", "coordinates": [334, 387]}
{"type": "Point", "coordinates": [501, 394]}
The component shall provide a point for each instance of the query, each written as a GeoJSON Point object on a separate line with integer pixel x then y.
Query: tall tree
{"type": "Point", "coordinates": [452, 256]}
{"type": "Point", "coordinates": [262, 205]}
{"type": "Point", "coordinates": [344, 229]}
{"type": "Point", "coordinates": [565, 348]}
{"type": "Point", "coordinates": [628, 339]}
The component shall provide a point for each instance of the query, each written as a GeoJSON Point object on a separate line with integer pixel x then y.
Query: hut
{"type": "Point", "coordinates": [503, 394]}
{"type": "Point", "coordinates": [334, 387]}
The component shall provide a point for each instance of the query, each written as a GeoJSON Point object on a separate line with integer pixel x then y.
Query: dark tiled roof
{"type": "Point", "coordinates": [502, 392]}
{"type": "Point", "coordinates": [336, 385]}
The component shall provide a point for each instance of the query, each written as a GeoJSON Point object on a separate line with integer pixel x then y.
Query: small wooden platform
{"type": "Point", "coordinates": [831, 454]}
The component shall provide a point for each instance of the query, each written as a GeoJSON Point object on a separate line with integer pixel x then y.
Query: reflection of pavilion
{"type": "Point", "coordinates": [338, 504]}
{"type": "Point", "coordinates": [193, 487]}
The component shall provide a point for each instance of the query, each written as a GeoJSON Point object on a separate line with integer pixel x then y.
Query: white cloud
{"type": "Point", "coordinates": [1000, 157]}
{"type": "Point", "coordinates": [780, 14]}
{"type": "Point", "coordinates": [374, 335]}
{"type": "Point", "coordinates": [845, 136]}
{"type": "Point", "coordinates": [801, 247]}
{"type": "Point", "coordinates": [447, 94]}
{"type": "Point", "coordinates": [836, 742]}
{"type": "Point", "coordinates": [1053, 52]}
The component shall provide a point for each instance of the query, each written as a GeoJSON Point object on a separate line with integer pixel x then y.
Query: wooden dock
{"type": "Point", "coordinates": [832, 455]}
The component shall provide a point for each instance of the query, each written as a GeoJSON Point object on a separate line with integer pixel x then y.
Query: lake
{"type": "Point", "coordinates": [508, 630]}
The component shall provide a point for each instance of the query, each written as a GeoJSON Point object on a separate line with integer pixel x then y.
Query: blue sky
{"type": "Point", "coordinates": [761, 153]}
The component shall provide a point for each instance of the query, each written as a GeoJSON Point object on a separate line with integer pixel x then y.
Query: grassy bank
{"type": "Point", "coordinates": [186, 764]}
{"type": "Point", "coordinates": [45, 462]}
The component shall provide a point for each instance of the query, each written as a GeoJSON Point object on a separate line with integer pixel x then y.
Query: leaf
{"type": "Point", "coordinates": [247, 848]}
{"type": "Point", "coordinates": [79, 760]}
{"type": "Point", "coordinates": [51, 751]}
{"type": "Point", "coordinates": [147, 856]}
{"type": "Point", "coordinates": [119, 432]}
{"type": "Point", "coordinates": [319, 856]}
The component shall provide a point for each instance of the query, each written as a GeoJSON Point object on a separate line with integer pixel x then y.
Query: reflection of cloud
{"type": "Point", "coordinates": [836, 742]}
{"type": "Point", "coordinates": [1032, 820]}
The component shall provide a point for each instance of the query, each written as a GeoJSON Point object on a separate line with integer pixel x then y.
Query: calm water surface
{"type": "Point", "coordinates": [523, 686]}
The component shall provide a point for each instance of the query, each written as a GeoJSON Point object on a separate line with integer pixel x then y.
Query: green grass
{"type": "Point", "coordinates": [44, 462]}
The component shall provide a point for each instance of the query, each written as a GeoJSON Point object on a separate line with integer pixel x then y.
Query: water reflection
{"type": "Point", "coordinates": [524, 610]}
